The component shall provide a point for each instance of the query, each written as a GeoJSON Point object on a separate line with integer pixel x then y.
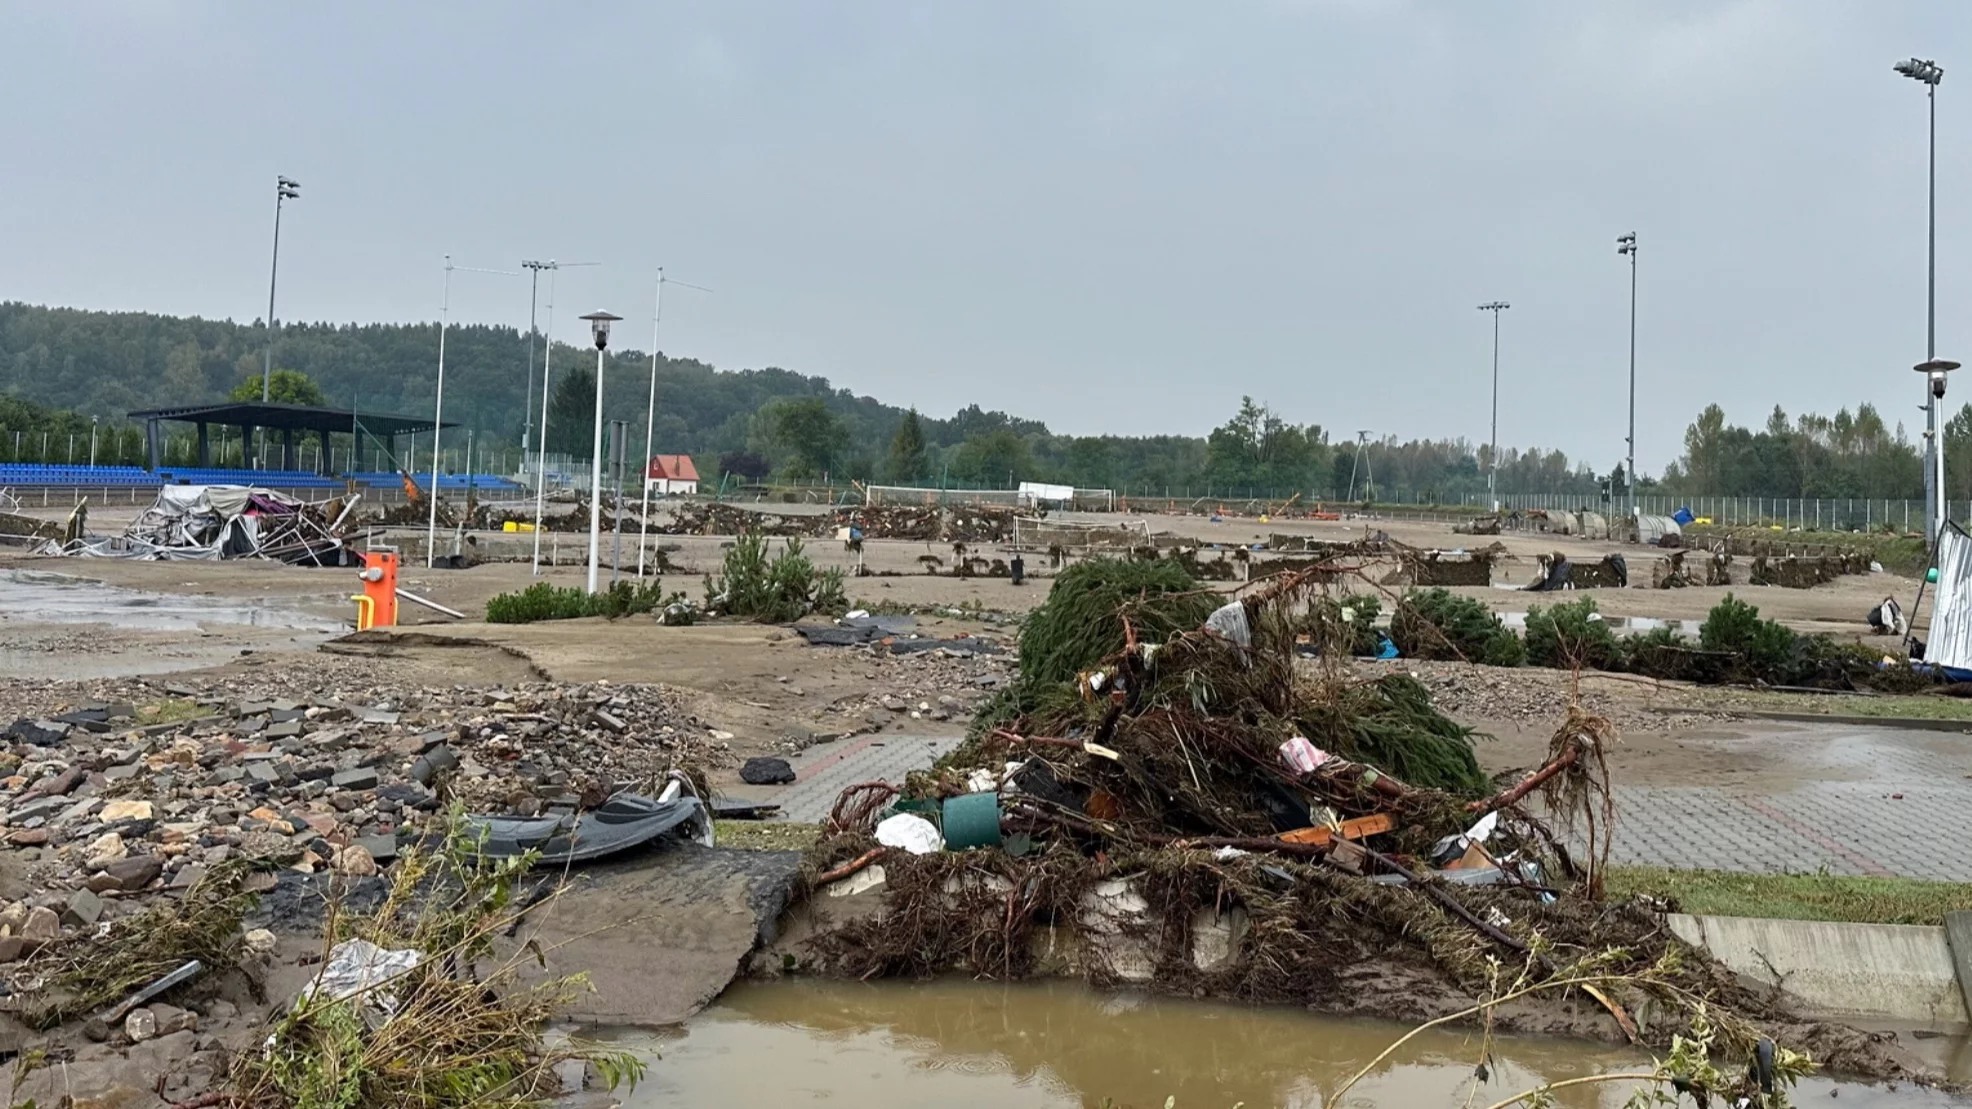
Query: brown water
{"type": "Point", "coordinates": [1060, 1044]}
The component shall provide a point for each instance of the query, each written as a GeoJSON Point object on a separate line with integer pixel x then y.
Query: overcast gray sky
{"type": "Point", "coordinates": [1117, 217]}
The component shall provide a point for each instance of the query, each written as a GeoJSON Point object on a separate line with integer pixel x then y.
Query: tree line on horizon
{"type": "Point", "coordinates": [58, 366]}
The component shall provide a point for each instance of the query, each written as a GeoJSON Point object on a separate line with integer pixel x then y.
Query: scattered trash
{"type": "Point", "coordinates": [766, 772]}
{"type": "Point", "coordinates": [357, 966]}
{"type": "Point", "coordinates": [911, 832]}
{"type": "Point", "coordinates": [625, 821]}
{"type": "Point", "coordinates": [1887, 618]}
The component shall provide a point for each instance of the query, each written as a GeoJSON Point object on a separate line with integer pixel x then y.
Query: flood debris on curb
{"type": "Point", "coordinates": [1166, 797]}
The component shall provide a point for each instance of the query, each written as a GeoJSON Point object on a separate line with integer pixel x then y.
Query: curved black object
{"type": "Point", "coordinates": [625, 821]}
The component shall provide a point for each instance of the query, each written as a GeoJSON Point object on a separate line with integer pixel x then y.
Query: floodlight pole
{"type": "Point", "coordinates": [650, 415]}
{"type": "Point", "coordinates": [1626, 244]}
{"type": "Point", "coordinates": [1936, 505]}
{"type": "Point", "coordinates": [438, 407]}
{"type": "Point", "coordinates": [1493, 448]}
{"type": "Point", "coordinates": [284, 189]}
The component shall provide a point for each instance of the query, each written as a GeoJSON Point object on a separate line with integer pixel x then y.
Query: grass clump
{"type": "Point", "coordinates": [171, 710]}
{"type": "Point", "coordinates": [542, 601]}
{"type": "Point", "coordinates": [1571, 636]}
{"type": "Point", "coordinates": [87, 974]}
{"type": "Point", "coordinates": [777, 590]}
{"type": "Point", "coordinates": [456, 1030]}
{"type": "Point", "coordinates": [1796, 896]}
{"type": "Point", "coordinates": [1442, 625]}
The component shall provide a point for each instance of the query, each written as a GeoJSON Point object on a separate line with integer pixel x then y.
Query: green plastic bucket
{"type": "Point", "coordinates": [972, 820]}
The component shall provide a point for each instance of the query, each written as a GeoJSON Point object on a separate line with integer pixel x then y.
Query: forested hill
{"type": "Point", "coordinates": [108, 363]}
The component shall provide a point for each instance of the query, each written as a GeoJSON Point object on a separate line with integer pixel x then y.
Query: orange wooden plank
{"type": "Point", "coordinates": [1354, 828]}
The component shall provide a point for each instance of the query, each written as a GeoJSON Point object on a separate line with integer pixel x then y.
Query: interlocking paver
{"type": "Point", "coordinates": [1889, 803]}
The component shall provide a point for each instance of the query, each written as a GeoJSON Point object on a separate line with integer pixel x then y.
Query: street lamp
{"type": "Point", "coordinates": [1928, 73]}
{"type": "Point", "coordinates": [1934, 371]}
{"type": "Point", "coordinates": [598, 327]}
{"type": "Point", "coordinates": [1493, 467]}
{"type": "Point", "coordinates": [1626, 244]}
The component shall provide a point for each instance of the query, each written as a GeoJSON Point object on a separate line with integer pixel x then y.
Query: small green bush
{"type": "Point", "coordinates": [1765, 648]}
{"type": "Point", "coordinates": [1439, 624]}
{"type": "Point", "coordinates": [1661, 653]}
{"type": "Point", "coordinates": [542, 601]}
{"type": "Point", "coordinates": [773, 591]}
{"type": "Point", "coordinates": [1347, 624]}
{"type": "Point", "coordinates": [1571, 636]}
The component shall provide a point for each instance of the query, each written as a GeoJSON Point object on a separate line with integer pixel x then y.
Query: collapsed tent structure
{"type": "Point", "coordinates": [209, 522]}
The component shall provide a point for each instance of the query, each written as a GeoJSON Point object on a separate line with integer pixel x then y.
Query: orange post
{"type": "Point", "coordinates": [379, 576]}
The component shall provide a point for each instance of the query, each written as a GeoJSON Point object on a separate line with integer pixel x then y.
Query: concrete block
{"type": "Point", "coordinates": [1899, 971]}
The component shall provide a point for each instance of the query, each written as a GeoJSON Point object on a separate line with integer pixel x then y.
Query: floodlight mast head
{"type": "Point", "coordinates": [1626, 244]}
{"type": "Point", "coordinates": [599, 327]}
{"type": "Point", "coordinates": [1921, 70]}
{"type": "Point", "coordinates": [287, 188]}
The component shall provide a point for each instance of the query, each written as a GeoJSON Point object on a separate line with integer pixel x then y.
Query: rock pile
{"type": "Point", "coordinates": [102, 808]}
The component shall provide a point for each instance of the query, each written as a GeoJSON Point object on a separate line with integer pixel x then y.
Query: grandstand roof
{"type": "Point", "coordinates": [291, 417]}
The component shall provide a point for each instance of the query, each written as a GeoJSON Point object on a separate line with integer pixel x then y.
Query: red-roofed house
{"type": "Point", "coordinates": [672, 473]}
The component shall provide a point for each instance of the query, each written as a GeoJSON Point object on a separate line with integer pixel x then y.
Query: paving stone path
{"type": "Point", "coordinates": [1882, 802]}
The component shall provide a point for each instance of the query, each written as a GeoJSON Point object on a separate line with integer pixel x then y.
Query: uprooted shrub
{"type": "Point", "coordinates": [1571, 636]}
{"type": "Point", "coordinates": [542, 601]}
{"type": "Point", "coordinates": [1442, 625]}
{"type": "Point", "coordinates": [456, 1029]}
{"type": "Point", "coordinates": [1346, 624]}
{"type": "Point", "coordinates": [773, 591]}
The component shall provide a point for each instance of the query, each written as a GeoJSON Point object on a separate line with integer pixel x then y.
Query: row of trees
{"type": "Point", "coordinates": [1851, 454]}
{"type": "Point", "coordinates": [58, 366]}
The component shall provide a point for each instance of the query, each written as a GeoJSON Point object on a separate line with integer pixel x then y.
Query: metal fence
{"type": "Point", "coordinates": [1815, 513]}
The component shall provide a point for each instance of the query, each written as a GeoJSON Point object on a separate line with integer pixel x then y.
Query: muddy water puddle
{"type": "Point", "coordinates": [1061, 1045]}
{"type": "Point", "coordinates": [39, 597]}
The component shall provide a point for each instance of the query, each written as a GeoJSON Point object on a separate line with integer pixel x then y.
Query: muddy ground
{"type": "Point", "coordinates": [97, 623]}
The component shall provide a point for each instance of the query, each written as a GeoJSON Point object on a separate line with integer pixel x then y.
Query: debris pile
{"type": "Point", "coordinates": [110, 806]}
{"type": "Point", "coordinates": [1164, 797]}
{"type": "Point", "coordinates": [1428, 569]}
{"type": "Point", "coordinates": [1806, 572]}
{"type": "Point", "coordinates": [207, 522]}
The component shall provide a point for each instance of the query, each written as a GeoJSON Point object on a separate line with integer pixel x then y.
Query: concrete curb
{"type": "Point", "coordinates": [1897, 971]}
{"type": "Point", "coordinates": [1907, 723]}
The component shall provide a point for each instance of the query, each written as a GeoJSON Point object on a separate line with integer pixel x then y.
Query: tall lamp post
{"type": "Point", "coordinates": [1493, 447]}
{"type": "Point", "coordinates": [438, 406]}
{"type": "Point", "coordinates": [285, 189]}
{"type": "Point", "coordinates": [1626, 244]}
{"type": "Point", "coordinates": [598, 327]}
{"type": "Point", "coordinates": [650, 413]}
{"type": "Point", "coordinates": [1929, 73]}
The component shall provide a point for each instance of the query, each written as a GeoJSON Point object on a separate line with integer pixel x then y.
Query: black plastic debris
{"type": "Point", "coordinates": [766, 772]}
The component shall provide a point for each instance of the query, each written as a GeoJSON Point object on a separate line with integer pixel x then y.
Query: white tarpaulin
{"type": "Point", "coordinates": [1951, 606]}
{"type": "Point", "coordinates": [1035, 492]}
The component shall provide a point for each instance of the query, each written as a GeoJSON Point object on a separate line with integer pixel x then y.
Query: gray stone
{"type": "Point", "coordinates": [381, 848]}
{"type": "Point", "coordinates": [41, 808]}
{"type": "Point", "coordinates": [360, 778]}
{"type": "Point", "coordinates": [84, 909]}
{"type": "Point", "coordinates": [292, 729]}
{"type": "Point", "coordinates": [432, 763]}
{"type": "Point", "coordinates": [131, 874]}
{"type": "Point", "coordinates": [122, 773]}
{"type": "Point", "coordinates": [187, 877]}
{"type": "Point", "coordinates": [263, 772]}
{"type": "Point", "coordinates": [42, 925]}
{"type": "Point", "coordinates": [286, 716]}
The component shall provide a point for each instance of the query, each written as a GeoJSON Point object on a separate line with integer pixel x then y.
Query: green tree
{"type": "Point", "coordinates": [572, 414]}
{"type": "Point", "coordinates": [283, 387]}
{"type": "Point", "coordinates": [907, 456]}
{"type": "Point", "coordinates": [994, 459]}
{"type": "Point", "coordinates": [805, 435]}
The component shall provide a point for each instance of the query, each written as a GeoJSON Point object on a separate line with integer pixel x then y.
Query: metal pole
{"type": "Point", "coordinates": [650, 428]}
{"type": "Point", "coordinates": [1493, 448]}
{"type": "Point", "coordinates": [274, 273]}
{"type": "Point", "coordinates": [541, 469]}
{"type": "Point", "coordinates": [619, 432]}
{"type": "Point", "coordinates": [1931, 326]}
{"type": "Point", "coordinates": [1629, 473]}
{"type": "Point", "coordinates": [527, 402]}
{"type": "Point", "coordinates": [437, 422]}
{"type": "Point", "coordinates": [596, 479]}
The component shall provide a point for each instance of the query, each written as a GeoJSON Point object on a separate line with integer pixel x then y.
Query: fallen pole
{"type": "Point", "coordinates": [407, 595]}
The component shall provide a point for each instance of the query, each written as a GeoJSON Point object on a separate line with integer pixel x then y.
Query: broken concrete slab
{"type": "Point", "coordinates": [713, 906]}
